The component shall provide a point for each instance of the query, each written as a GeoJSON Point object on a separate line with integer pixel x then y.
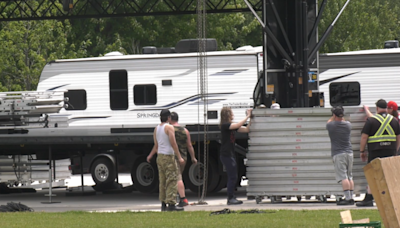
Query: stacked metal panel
{"type": "Point", "coordinates": [290, 153]}
{"type": "Point", "coordinates": [25, 170]}
{"type": "Point", "coordinates": [30, 108]}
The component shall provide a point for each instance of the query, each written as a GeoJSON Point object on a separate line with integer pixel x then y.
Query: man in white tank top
{"type": "Point", "coordinates": [166, 148]}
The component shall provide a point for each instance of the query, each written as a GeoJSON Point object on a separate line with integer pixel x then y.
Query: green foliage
{"type": "Point", "coordinates": [129, 35]}
{"type": "Point", "coordinates": [27, 46]}
{"type": "Point", "coordinates": [234, 30]}
{"type": "Point", "coordinates": [365, 24]}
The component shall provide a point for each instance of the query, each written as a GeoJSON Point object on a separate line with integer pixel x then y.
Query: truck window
{"type": "Point", "coordinates": [145, 94]}
{"type": "Point", "coordinates": [118, 80]}
{"type": "Point", "coordinates": [344, 93]}
{"type": "Point", "coordinates": [76, 99]}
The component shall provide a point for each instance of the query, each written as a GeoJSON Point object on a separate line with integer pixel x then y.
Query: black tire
{"type": "Point", "coordinates": [145, 175]}
{"type": "Point", "coordinates": [259, 199]}
{"type": "Point", "coordinates": [193, 176]}
{"type": "Point", "coordinates": [322, 199]}
{"type": "Point", "coordinates": [223, 180]}
{"type": "Point", "coordinates": [103, 171]}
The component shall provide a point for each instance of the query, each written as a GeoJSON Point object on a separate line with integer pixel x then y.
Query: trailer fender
{"type": "Point", "coordinates": [109, 156]}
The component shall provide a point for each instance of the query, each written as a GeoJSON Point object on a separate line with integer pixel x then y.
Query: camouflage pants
{"type": "Point", "coordinates": [168, 175]}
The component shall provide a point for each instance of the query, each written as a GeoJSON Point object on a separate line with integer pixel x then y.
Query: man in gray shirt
{"type": "Point", "coordinates": [342, 153]}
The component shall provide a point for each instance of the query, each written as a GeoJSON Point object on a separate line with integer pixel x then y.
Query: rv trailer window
{"type": "Point", "coordinates": [344, 93]}
{"type": "Point", "coordinates": [76, 100]}
{"type": "Point", "coordinates": [118, 80]}
{"type": "Point", "coordinates": [145, 94]}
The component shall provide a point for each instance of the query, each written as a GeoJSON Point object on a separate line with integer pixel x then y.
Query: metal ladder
{"type": "Point", "coordinates": [30, 109]}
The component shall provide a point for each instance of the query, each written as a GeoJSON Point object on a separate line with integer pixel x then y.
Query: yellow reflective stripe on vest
{"type": "Point", "coordinates": [379, 118]}
{"type": "Point", "coordinates": [385, 125]}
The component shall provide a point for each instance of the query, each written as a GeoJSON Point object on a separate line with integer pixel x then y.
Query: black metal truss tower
{"type": "Point", "coordinates": [290, 71]}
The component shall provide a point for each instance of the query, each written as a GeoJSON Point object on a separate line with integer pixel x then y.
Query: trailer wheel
{"type": "Point", "coordinates": [322, 198]}
{"type": "Point", "coordinates": [222, 183]}
{"type": "Point", "coordinates": [145, 175]}
{"type": "Point", "coordinates": [103, 171]}
{"type": "Point", "coordinates": [273, 199]}
{"type": "Point", "coordinates": [259, 199]}
{"type": "Point", "coordinates": [193, 178]}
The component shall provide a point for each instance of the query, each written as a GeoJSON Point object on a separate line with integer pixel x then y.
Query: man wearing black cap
{"type": "Point", "coordinates": [342, 153]}
{"type": "Point", "coordinates": [382, 134]}
{"type": "Point", "coordinates": [166, 148]}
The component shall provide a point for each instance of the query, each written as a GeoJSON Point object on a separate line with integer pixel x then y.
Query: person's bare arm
{"type": "Point", "coordinates": [367, 112]}
{"type": "Point", "coordinates": [190, 147]}
{"type": "Point", "coordinates": [246, 129]}
{"type": "Point", "coordinates": [155, 147]}
{"type": "Point", "coordinates": [238, 125]}
{"type": "Point", "coordinates": [363, 143]}
{"type": "Point", "coordinates": [332, 118]}
{"type": "Point", "coordinates": [171, 135]}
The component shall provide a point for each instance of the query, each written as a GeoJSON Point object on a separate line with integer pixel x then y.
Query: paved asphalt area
{"type": "Point", "coordinates": [136, 201]}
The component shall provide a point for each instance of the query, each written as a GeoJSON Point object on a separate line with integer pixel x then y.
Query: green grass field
{"type": "Point", "coordinates": [271, 218]}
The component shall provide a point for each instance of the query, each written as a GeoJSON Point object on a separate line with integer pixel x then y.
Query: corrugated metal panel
{"type": "Point", "coordinates": [376, 68]}
{"type": "Point", "coordinates": [290, 153]}
{"type": "Point", "coordinates": [26, 169]}
{"type": "Point", "coordinates": [358, 61]}
{"type": "Point", "coordinates": [375, 83]}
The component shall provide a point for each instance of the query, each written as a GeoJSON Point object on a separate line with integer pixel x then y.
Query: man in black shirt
{"type": "Point", "coordinates": [382, 133]}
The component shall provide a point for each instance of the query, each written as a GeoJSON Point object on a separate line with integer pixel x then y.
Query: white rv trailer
{"type": "Point", "coordinates": [376, 71]}
{"type": "Point", "coordinates": [114, 105]}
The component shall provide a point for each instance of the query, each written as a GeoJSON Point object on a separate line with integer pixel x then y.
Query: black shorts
{"type": "Point", "coordinates": [380, 154]}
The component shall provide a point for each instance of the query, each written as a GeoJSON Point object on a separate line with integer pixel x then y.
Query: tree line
{"type": "Point", "coordinates": [26, 46]}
